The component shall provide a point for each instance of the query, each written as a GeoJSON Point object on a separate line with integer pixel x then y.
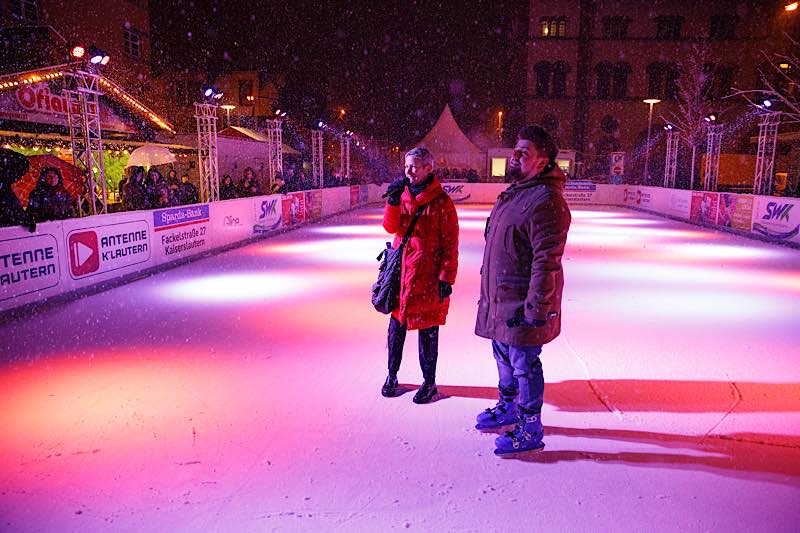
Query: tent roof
{"type": "Point", "coordinates": [446, 137]}
{"type": "Point", "coordinates": [238, 132]}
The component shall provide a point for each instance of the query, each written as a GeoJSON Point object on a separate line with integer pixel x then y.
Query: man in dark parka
{"type": "Point", "coordinates": [521, 285]}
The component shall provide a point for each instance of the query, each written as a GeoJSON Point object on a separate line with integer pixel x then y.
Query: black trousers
{"type": "Point", "coordinates": [428, 349]}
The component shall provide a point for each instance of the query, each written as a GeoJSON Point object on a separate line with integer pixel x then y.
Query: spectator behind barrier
{"type": "Point", "coordinates": [227, 190]}
{"type": "Point", "coordinates": [13, 166]}
{"type": "Point", "coordinates": [50, 200]}
{"type": "Point", "coordinates": [134, 193]}
{"type": "Point", "coordinates": [278, 185]}
{"type": "Point", "coordinates": [187, 192]}
{"type": "Point", "coordinates": [154, 186]}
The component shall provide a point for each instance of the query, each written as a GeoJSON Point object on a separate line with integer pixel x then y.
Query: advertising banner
{"type": "Point", "coordinates": [180, 232]}
{"type": "Point", "coordinates": [617, 166]}
{"type": "Point", "coordinates": [313, 205]}
{"type": "Point", "coordinates": [735, 211]}
{"type": "Point", "coordinates": [579, 192]}
{"type": "Point", "coordinates": [41, 103]}
{"type": "Point", "coordinates": [354, 195]}
{"type": "Point", "coordinates": [95, 250]}
{"type": "Point", "coordinates": [704, 207]}
{"type": "Point", "coordinates": [231, 221]}
{"type": "Point", "coordinates": [28, 264]}
{"type": "Point", "coordinates": [293, 208]}
{"type": "Point", "coordinates": [629, 195]}
{"type": "Point", "coordinates": [363, 194]}
{"type": "Point", "coordinates": [679, 204]}
{"type": "Point", "coordinates": [458, 192]}
{"type": "Point", "coordinates": [778, 219]}
{"type": "Point", "coordinates": [267, 213]}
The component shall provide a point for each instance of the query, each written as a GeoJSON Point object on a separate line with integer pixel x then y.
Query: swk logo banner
{"type": "Point", "coordinates": [777, 219]}
{"type": "Point", "coordinates": [458, 192]}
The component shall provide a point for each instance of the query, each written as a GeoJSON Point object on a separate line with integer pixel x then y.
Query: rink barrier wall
{"type": "Point", "coordinates": [74, 256]}
{"type": "Point", "coordinates": [770, 218]}
{"type": "Point", "coordinates": [63, 259]}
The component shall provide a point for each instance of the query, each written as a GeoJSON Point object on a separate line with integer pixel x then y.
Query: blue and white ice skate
{"type": "Point", "coordinates": [525, 437]}
{"type": "Point", "coordinates": [503, 414]}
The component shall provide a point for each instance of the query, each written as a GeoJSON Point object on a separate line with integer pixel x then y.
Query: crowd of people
{"type": "Point", "coordinates": [49, 199]}
{"type": "Point", "coordinates": [140, 190]}
{"type": "Point", "coordinates": [470, 175]}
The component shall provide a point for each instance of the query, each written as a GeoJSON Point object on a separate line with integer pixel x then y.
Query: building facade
{"type": "Point", "coordinates": [591, 63]}
{"type": "Point", "coordinates": [41, 32]}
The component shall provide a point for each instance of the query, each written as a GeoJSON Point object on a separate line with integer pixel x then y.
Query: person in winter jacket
{"type": "Point", "coordinates": [155, 184]}
{"type": "Point", "coordinates": [13, 166]}
{"type": "Point", "coordinates": [49, 200]}
{"type": "Point", "coordinates": [521, 284]}
{"type": "Point", "coordinates": [227, 190]}
{"type": "Point", "coordinates": [187, 192]}
{"type": "Point", "coordinates": [429, 265]}
{"type": "Point", "coordinates": [134, 192]}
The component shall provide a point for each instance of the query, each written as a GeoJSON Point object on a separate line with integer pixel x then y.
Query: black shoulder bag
{"type": "Point", "coordinates": [386, 291]}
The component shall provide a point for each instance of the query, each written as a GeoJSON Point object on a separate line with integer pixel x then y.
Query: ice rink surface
{"type": "Point", "coordinates": [241, 392]}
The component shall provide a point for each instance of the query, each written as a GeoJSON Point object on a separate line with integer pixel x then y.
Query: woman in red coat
{"type": "Point", "coordinates": [430, 262]}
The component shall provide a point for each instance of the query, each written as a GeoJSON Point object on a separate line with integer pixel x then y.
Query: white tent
{"type": "Point", "coordinates": [450, 147]}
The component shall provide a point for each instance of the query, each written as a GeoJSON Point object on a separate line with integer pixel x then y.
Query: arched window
{"type": "Point", "coordinates": [620, 87]}
{"type": "Point", "coordinates": [542, 69]}
{"type": "Point", "coordinates": [553, 26]}
{"type": "Point", "coordinates": [560, 71]}
{"type": "Point", "coordinates": [604, 72]}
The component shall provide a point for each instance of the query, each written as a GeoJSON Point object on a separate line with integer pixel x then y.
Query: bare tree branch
{"type": "Point", "coordinates": [778, 85]}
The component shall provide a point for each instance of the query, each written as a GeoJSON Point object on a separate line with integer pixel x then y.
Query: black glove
{"type": "Point", "coordinates": [519, 320]}
{"type": "Point", "coordinates": [395, 190]}
{"type": "Point", "coordinates": [445, 290]}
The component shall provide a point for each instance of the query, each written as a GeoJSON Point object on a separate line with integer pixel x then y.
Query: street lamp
{"type": "Point", "coordinates": [227, 108]}
{"type": "Point", "coordinates": [651, 102]}
{"type": "Point", "coordinates": [500, 127]}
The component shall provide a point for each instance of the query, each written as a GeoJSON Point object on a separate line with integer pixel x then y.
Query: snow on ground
{"type": "Point", "coordinates": [241, 392]}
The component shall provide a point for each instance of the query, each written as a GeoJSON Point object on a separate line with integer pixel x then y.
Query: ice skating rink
{"type": "Point", "coordinates": [241, 392]}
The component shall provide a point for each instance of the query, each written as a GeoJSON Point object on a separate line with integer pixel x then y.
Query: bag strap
{"type": "Point", "coordinates": [420, 209]}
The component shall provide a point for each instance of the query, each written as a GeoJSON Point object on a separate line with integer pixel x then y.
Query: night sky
{"type": "Point", "coordinates": [393, 67]}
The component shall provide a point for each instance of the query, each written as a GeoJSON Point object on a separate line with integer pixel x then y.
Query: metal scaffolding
{"type": "Point", "coordinates": [206, 115]}
{"type": "Point", "coordinates": [275, 148]}
{"type": "Point", "coordinates": [765, 158]}
{"type": "Point", "coordinates": [316, 157]}
{"type": "Point", "coordinates": [82, 91]}
{"type": "Point", "coordinates": [344, 144]}
{"type": "Point", "coordinates": [671, 160]}
{"type": "Point", "coordinates": [713, 145]}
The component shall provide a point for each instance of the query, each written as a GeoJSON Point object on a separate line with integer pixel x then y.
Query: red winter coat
{"type": "Point", "coordinates": [430, 255]}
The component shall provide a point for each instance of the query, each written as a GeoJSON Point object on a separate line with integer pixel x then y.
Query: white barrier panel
{"type": "Point", "coordinates": [267, 213]}
{"type": "Point", "coordinates": [30, 264]}
{"type": "Point", "coordinates": [231, 221]}
{"type": "Point", "coordinates": [181, 232]}
{"type": "Point", "coordinates": [335, 200]}
{"type": "Point", "coordinates": [777, 219]}
{"type": "Point", "coordinates": [104, 247]}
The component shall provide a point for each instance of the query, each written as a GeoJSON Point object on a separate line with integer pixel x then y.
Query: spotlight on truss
{"type": "Point", "coordinates": [97, 56]}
